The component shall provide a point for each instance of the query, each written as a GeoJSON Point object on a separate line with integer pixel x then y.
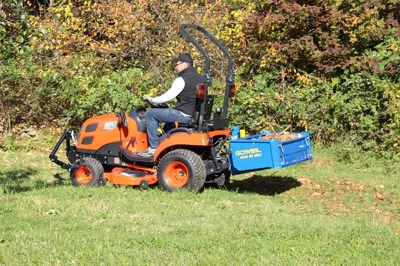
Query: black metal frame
{"type": "Point", "coordinates": [220, 120]}
{"type": "Point", "coordinates": [67, 135]}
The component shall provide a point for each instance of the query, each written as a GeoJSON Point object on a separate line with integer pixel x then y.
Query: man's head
{"type": "Point", "coordinates": [182, 62]}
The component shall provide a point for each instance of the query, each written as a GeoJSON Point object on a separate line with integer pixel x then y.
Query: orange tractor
{"type": "Point", "coordinates": [188, 156]}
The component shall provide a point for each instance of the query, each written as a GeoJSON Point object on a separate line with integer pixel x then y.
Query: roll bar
{"type": "Point", "coordinates": [230, 77]}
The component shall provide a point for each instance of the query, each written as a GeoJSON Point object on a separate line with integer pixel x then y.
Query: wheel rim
{"type": "Point", "coordinates": [84, 175]}
{"type": "Point", "coordinates": [177, 174]}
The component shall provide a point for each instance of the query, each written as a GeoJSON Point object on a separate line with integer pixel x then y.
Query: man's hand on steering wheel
{"type": "Point", "coordinates": [150, 101]}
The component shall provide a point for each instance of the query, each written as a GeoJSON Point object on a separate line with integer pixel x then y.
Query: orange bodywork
{"type": "Point", "coordinates": [107, 131]}
{"type": "Point", "coordinates": [197, 139]}
{"type": "Point", "coordinates": [103, 130]}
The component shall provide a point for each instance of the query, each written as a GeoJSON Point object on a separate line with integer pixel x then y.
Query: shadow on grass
{"type": "Point", "coordinates": [19, 180]}
{"type": "Point", "coordinates": [264, 185]}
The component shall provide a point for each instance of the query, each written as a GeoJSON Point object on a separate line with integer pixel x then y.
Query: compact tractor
{"type": "Point", "coordinates": [188, 155]}
{"type": "Point", "coordinates": [206, 150]}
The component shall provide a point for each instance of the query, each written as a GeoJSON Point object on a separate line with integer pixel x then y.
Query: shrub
{"type": "Point", "coordinates": [362, 110]}
{"type": "Point", "coordinates": [89, 94]}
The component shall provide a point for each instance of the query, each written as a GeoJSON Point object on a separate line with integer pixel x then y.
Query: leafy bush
{"type": "Point", "coordinates": [271, 102]}
{"type": "Point", "coordinates": [322, 37]}
{"type": "Point", "coordinates": [76, 98]}
{"type": "Point", "coordinates": [328, 67]}
{"type": "Point", "coordinates": [361, 110]}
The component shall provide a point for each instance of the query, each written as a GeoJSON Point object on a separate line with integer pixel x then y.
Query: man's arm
{"type": "Point", "coordinates": [176, 88]}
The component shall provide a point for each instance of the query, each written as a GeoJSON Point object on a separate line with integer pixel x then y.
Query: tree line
{"type": "Point", "coordinates": [330, 67]}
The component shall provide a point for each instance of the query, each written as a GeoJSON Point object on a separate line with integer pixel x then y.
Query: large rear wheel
{"type": "Point", "coordinates": [87, 172]}
{"type": "Point", "coordinates": [181, 169]}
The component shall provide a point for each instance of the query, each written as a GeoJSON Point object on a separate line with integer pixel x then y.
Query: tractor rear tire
{"type": "Point", "coordinates": [87, 172]}
{"type": "Point", "coordinates": [181, 169]}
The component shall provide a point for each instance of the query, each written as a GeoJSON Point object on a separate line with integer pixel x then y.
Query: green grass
{"type": "Point", "coordinates": [335, 210]}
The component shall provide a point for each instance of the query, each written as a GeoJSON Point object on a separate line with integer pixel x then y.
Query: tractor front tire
{"type": "Point", "coordinates": [181, 169]}
{"type": "Point", "coordinates": [87, 172]}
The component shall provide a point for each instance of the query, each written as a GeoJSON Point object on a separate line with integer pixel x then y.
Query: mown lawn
{"type": "Point", "coordinates": [335, 210]}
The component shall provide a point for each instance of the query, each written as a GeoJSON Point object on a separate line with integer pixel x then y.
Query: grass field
{"type": "Point", "coordinates": [340, 209]}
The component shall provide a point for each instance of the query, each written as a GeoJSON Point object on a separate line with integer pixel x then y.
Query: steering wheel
{"type": "Point", "coordinates": [155, 105]}
{"type": "Point", "coordinates": [122, 117]}
{"type": "Point", "coordinates": [141, 113]}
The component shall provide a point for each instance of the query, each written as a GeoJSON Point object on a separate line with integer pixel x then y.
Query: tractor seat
{"type": "Point", "coordinates": [191, 124]}
{"type": "Point", "coordinates": [172, 128]}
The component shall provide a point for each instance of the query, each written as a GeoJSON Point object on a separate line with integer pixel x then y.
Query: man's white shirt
{"type": "Point", "coordinates": [176, 88]}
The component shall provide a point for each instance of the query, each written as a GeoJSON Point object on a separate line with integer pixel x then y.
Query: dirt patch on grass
{"type": "Point", "coordinates": [342, 197]}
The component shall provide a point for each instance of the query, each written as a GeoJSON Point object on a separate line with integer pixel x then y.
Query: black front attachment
{"type": "Point", "coordinates": [67, 136]}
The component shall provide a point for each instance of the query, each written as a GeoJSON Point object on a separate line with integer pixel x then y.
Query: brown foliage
{"type": "Point", "coordinates": [318, 36]}
{"type": "Point", "coordinates": [323, 37]}
{"type": "Point", "coordinates": [120, 33]}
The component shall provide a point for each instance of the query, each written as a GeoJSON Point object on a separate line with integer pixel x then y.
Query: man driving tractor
{"type": "Point", "coordinates": [184, 90]}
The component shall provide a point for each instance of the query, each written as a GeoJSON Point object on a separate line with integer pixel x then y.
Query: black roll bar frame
{"type": "Point", "coordinates": [230, 77]}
